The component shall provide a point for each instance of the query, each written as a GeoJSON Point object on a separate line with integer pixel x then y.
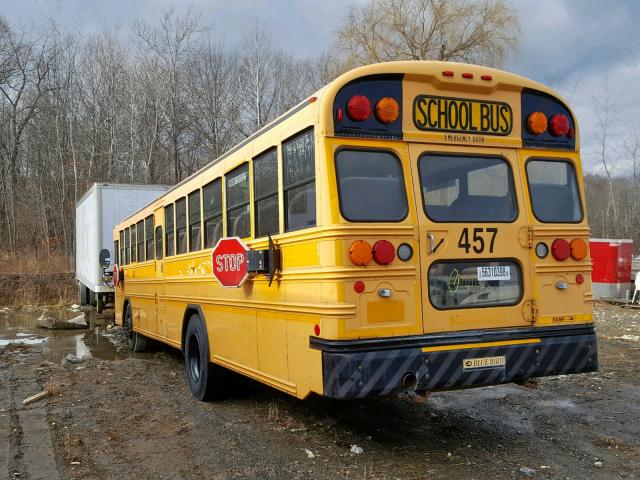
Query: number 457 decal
{"type": "Point", "coordinates": [479, 241]}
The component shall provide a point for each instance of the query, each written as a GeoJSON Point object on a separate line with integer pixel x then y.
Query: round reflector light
{"type": "Point", "coordinates": [405, 252]}
{"type": "Point", "coordinates": [358, 286]}
{"type": "Point", "coordinates": [559, 125]}
{"type": "Point", "coordinates": [579, 249]}
{"type": "Point", "coordinates": [537, 123]}
{"type": "Point", "coordinates": [360, 252]}
{"type": "Point", "coordinates": [579, 279]}
{"type": "Point", "coordinates": [560, 249]}
{"type": "Point", "coordinates": [387, 110]}
{"type": "Point", "coordinates": [384, 252]}
{"type": "Point", "coordinates": [542, 250]}
{"type": "Point", "coordinates": [316, 329]}
{"type": "Point", "coordinates": [359, 108]}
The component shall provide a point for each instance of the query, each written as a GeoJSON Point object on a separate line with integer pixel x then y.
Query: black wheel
{"type": "Point", "coordinates": [83, 295]}
{"type": "Point", "coordinates": [203, 376]}
{"type": "Point", "coordinates": [99, 302]}
{"type": "Point", "coordinates": [135, 341]}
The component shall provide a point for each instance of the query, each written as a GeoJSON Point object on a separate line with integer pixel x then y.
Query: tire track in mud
{"type": "Point", "coordinates": [26, 449]}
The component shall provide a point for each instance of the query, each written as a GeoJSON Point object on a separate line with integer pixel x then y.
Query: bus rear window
{"type": "Point", "coordinates": [467, 189]}
{"type": "Point", "coordinates": [554, 191]}
{"type": "Point", "coordinates": [462, 284]}
{"type": "Point", "coordinates": [371, 186]}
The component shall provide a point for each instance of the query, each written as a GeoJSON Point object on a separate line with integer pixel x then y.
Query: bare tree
{"type": "Point", "coordinates": [173, 45]}
{"type": "Point", "coordinates": [452, 30]}
{"type": "Point", "coordinates": [606, 108]}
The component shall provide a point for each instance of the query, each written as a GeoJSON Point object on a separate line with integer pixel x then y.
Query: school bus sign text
{"type": "Point", "coordinates": [446, 114]}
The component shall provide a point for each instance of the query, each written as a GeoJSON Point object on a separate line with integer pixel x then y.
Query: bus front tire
{"type": "Point", "coordinates": [202, 375]}
{"type": "Point", "coordinates": [136, 342]}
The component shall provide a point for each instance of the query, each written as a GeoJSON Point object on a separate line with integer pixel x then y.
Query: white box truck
{"type": "Point", "coordinates": [97, 213]}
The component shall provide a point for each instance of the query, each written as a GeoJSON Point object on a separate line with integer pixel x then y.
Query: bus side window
{"type": "Point", "coordinates": [158, 242]}
{"type": "Point", "coordinates": [116, 252]}
{"type": "Point", "coordinates": [134, 244]}
{"type": "Point", "coordinates": [181, 226]}
{"type": "Point", "coordinates": [299, 182]}
{"type": "Point", "coordinates": [194, 221]}
{"type": "Point", "coordinates": [265, 193]}
{"type": "Point", "coordinates": [237, 192]}
{"type": "Point", "coordinates": [148, 236]}
{"type": "Point", "coordinates": [140, 229]}
{"type": "Point", "coordinates": [122, 247]}
{"type": "Point", "coordinates": [127, 248]}
{"type": "Point", "coordinates": [169, 232]}
{"type": "Point", "coordinates": [212, 206]}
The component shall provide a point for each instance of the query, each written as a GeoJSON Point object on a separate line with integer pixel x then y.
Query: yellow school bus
{"type": "Point", "coordinates": [411, 226]}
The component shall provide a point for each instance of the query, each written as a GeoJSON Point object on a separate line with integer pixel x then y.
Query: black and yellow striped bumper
{"type": "Point", "coordinates": [371, 367]}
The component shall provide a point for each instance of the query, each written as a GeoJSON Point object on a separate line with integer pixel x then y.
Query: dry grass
{"type": "Point", "coordinates": [30, 262]}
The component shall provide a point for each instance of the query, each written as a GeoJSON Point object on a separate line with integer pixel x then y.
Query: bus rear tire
{"type": "Point", "coordinates": [203, 376]}
{"type": "Point", "coordinates": [136, 342]}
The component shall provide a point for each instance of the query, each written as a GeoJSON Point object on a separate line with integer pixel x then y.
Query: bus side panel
{"type": "Point", "coordinates": [305, 364]}
{"type": "Point", "coordinates": [233, 338]}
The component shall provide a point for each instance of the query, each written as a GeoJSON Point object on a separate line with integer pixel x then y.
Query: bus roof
{"type": "Point", "coordinates": [323, 98]}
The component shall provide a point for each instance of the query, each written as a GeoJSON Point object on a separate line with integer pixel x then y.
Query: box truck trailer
{"type": "Point", "coordinates": [97, 212]}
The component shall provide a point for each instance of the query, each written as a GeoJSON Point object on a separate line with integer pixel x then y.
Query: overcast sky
{"type": "Point", "coordinates": [573, 45]}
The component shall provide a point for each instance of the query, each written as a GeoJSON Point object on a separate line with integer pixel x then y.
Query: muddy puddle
{"type": "Point", "coordinates": [19, 326]}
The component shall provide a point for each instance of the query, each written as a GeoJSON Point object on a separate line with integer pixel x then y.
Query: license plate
{"type": "Point", "coordinates": [499, 272]}
{"type": "Point", "coordinates": [484, 362]}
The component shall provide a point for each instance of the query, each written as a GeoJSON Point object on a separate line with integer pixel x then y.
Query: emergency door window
{"type": "Point", "coordinates": [461, 284]}
{"type": "Point", "coordinates": [467, 189]}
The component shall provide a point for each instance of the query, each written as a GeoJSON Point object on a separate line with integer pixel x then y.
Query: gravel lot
{"type": "Point", "coordinates": [116, 416]}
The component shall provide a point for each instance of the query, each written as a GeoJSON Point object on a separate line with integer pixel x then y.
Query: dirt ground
{"type": "Point", "coordinates": [134, 418]}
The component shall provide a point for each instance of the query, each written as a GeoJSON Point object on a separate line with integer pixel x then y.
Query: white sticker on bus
{"type": "Point", "coordinates": [501, 272]}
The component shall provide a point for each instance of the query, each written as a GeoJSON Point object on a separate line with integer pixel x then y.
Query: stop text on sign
{"type": "Point", "coordinates": [446, 114]}
{"type": "Point", "coordinates": [230, 262]}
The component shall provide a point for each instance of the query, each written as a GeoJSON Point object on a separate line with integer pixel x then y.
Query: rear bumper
{"type": "Point", "coordinates": [372, 367]}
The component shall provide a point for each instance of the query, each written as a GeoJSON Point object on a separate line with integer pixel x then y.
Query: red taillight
{"type": "Point", "coordinates": [115, 275]}
{"type": "Point", "coordinates": [358, 287]}
{"type": "Point", "coordinates": [447, 73]}
{"type": "Point", "coordinates": [359, 108]}
{"type": "Point", "coordinates": [571, 133]}
{"type": "Point", "coordinates": [383, 252]}
{"type": "Point", "coordinates": [559, 125]}
{"type": "Point", "coordinates": [560, 249]}
{"type": "Point", "coordinates": [339, 115]}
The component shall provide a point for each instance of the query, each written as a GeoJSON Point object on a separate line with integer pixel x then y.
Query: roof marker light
{"type": "Point", "coordinates": [447, 73]}
{"type": "Point", "coordinates": [467, 75]}
{"type": "Point", "coordinates": [486, 77]}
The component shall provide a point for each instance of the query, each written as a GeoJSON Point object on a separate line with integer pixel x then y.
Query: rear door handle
{"type": "Point", "coordinates": [433, 246]}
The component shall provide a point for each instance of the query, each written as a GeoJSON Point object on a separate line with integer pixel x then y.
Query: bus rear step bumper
{"type": "Point", "coordinates": [381, 371]}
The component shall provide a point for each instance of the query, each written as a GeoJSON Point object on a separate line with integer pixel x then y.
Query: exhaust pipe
{"type": "Point", "coordinates": [409, 381]}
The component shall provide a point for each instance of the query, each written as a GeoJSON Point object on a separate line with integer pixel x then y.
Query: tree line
{"type": "Point", "coordinates": [156, 101]}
